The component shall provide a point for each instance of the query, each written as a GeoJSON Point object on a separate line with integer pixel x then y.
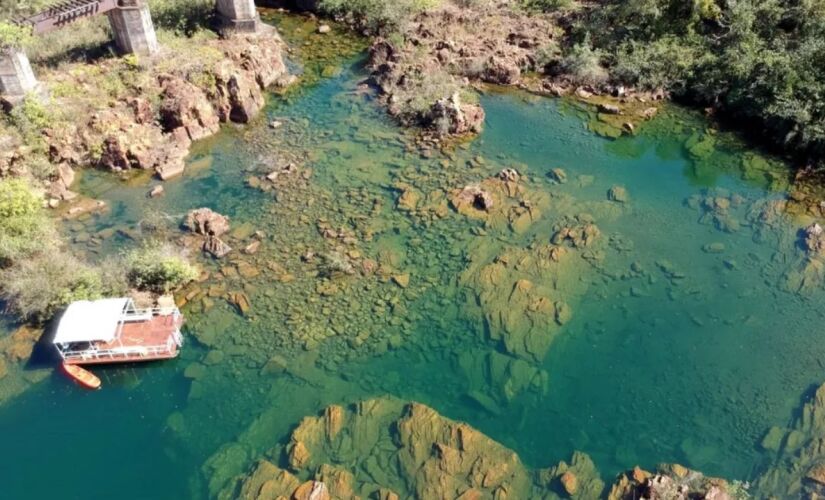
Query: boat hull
{"type": "Point", "coordinates": [121, 359]}
{"type": "Point", "coordinates": [82, 377]}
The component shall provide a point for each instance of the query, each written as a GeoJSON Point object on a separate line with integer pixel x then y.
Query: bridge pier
{"type": "Point", "coordinates": [132, 25]}
{"type": "Point", "coordinates": [16, 76]}
{"type": "Point", "coordinates": [238, 15]}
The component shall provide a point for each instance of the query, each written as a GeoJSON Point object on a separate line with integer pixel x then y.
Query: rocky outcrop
{"type": "Point", "coordinates": [449, 116]}
{"type": "Point", "coordinates": [226, 81]}
{"type": "Point", "coordinates": [207, 222]}
{"type": "Point", "coordinates": [672, 482]}
{"type": "Point", "coordinates": [443, 49]}
{"type": "Point", "coordinates": [185, 106]}
{"type": "Point", "coordinates": [387, 449]}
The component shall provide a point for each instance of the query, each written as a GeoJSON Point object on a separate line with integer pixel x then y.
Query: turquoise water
{"type": "Point", "coordinates": [688, 360]}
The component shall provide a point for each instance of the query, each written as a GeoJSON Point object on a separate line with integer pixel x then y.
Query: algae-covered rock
{"type": "Point", "coordinates": [579, 479]}
{"type": "Point", "coordinates": [503, 202]}
{"type": "Point", "coordinates": [387, 449]}
{"type": "Point", "coordinates": [618, 194]}
{"type": "Point", "coordinates": [797, 468]}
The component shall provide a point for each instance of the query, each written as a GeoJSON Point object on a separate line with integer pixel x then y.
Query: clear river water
{"type": "Point", "coordinates": [687, 339]}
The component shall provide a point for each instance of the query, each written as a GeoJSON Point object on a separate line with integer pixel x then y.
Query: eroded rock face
{"type": "Point", "coordinates": [387, 449]}
{"type": "Point", "coordinates": [186, 106]}
{"type": "Point", "coordinates": [672, 482]}
{"type": "Point", "coordinates": [132, 133]}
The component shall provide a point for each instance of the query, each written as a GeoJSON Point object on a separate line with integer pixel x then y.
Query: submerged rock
{"type": "Point", "coordinates": [509, 175]}
{"type": "Point", "coordinates": [796, 469]}
{"type": "Point", "coordinates": [472, 198]}
{"type": "Point", "coordinates": [216, 247]}
{"type": "Point", "coordinates": [618, 194]}
{"type": "Point", "coordinates": [388, 449]}
{"type": "Point", "coordinates": [558, 175]}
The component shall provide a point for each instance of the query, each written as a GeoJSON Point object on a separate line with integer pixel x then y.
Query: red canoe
{"type": "Point", "coordinates": [83, 377]}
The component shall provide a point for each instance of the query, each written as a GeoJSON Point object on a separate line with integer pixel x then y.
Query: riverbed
{"type": "Point", "coordinates": [687, 337]}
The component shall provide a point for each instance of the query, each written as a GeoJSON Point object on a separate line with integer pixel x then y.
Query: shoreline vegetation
{"type": "Point", "coordinates": [123, 113]}
{"type": "Point", "coordinates": [119, 114]}
{"type": "Point", "coordinates": [755, 65]}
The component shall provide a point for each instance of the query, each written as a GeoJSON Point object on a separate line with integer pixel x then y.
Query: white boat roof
{"type": "Point", "coordinates": [90, 321]}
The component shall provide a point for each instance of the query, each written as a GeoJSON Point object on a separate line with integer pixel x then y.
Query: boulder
{"type": "Point", "coordinates": [509, 175]}
{"type": "Point", "coordinates": [216, 247]}
{"type": "Point", "coordinates": [452, 117]}
{"type": "Point", "coordinates": [558, 175]}
{"type": "Point", "coordinates": [206, 222]}
{"type": "Point", "coordinates": [618, 194]}
{"type": "Point", "coordinates": [501, 71]}
{"type": "Point", "coordinates": [610, 109]}
{"type": "Point", "coordinates": [472, 197]}
{"type": "Point", "coordinates": [185, 106]}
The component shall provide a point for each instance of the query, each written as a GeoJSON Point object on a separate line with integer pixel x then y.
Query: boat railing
{"type": "Point", "coordinates": [120, 352]}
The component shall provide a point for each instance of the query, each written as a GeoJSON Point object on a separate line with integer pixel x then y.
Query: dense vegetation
{"type": "Point", "coordinates": [760, 62]}
{"type": "Point", "coordinates": [158, 267]}
{"type": "Point", "coordinates": [38, 276]}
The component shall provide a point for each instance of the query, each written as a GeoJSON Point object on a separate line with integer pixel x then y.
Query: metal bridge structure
{"type": "Point", "coordinates": [132, 27]}
{"type": "Point", "coordinates": [64, 13]}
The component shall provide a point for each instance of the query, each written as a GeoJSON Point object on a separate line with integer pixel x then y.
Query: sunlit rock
{"type": "Point", "coordinates": [388, 449]}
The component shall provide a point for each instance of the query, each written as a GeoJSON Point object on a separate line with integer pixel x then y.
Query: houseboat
{"type": "Point", "coordinates": [115, 331]}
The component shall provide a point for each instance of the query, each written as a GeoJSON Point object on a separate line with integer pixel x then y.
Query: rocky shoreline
{"type": "Point", "coordinates": [408, 448]}
{"type": "Point", "coordinates": [429, 72]}
{"type": "Point", "coordinates": [151, 125]}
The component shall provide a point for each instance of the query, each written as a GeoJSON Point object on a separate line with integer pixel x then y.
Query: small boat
{"type": "Point", "coordinates": [82, 376]}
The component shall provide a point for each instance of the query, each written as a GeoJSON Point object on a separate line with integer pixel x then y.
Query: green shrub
{"type": "Point", "coordinates": [30, 118]}
{"type": "Point", "coordinates": [547, 54]}
{"type": "Point", "coordinates": [377, 14]}
{"type": "Point", "coordinates": [668, 62]}
{"type": "Point", "coordinates": [758, 62]}
{"type": "Point", "coordinates": [17, 198]}
{"type": "Point", "coordinates": [24, 226]}
{"type": "Point", "coordinates": [183, 17]}
{"type": "Point", "coordinates": [36, 288]}
{"type": "Point", "coordinates": [14, 36]}
{"type": "Point", "coordinates": [583, 64]}
{"type": "Point", "coordinates": [158, 268]}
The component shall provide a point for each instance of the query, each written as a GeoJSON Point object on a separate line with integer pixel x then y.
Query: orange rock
{"type": "Point", "coordinates": [816, 473]}
{"type": "Point", "coordinates": [334, 418]}
{"type": "Point", "coordinates": [679, 470]}
{"type": "Point", "coordinates": [471, 494]}
{"type": "Point", "coordinates": [570, 482]}
{"type": "Point", "coordinates": [298, 455]}
{"type": "Point", "coordinates": [640, 475]}
{"type": "Point", "coordinates": [311, 490]}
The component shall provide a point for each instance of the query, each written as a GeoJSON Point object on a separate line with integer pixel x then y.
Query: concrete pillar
{"type": "Point", "coordinates": [238, 15]}
{"type": "Point", "coordinates": [16, 75]}
{"type": "Point", "coordinates": [133, 28]}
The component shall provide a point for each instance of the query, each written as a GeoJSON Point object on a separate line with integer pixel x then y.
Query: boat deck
{"type": "Point", "coordinates": [139, 339]}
